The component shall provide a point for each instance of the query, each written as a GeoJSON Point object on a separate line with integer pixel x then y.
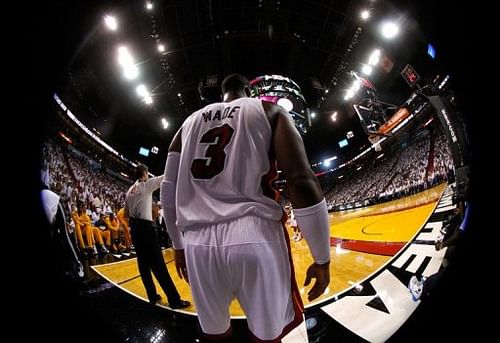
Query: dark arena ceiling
{"type": "Point", "coordinates": [315, 43]}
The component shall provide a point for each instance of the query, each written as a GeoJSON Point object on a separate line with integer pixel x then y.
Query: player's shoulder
{"type": "Point", "coordinates": [254, 104]}
{"type": "Point", "coordinates": [269, 107]}
{"type": "Point", "coordinates": [255, 101]}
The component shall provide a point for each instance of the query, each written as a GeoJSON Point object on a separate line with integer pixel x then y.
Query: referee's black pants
{"type": "Point", "coordinates": [150, 259]}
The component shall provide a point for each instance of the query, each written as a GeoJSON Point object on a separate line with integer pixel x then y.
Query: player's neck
{"type": "Point", "coordinates": [230, 96]}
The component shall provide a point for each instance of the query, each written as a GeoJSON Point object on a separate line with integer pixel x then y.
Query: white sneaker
{"type": "Point", "coordinates": [415, 286]}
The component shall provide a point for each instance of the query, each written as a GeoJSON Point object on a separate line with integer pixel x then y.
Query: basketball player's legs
{"type": "Point", "coordinates": [106, 236]}
{"type": "Point", "coordinates": [79, 237]}
{"type": "Point", "coordinates": [246, 257]}
{"type": "Point", "coordinates": [126, 236]}
{"type": "Point", "coordinates": [89, 236]}
{"type": "Point", "coordinates": [210, 289]}
{"type": "Point", "coordinates": [261, 276]}
{"type": "Point", "coordinates": [97, 236]}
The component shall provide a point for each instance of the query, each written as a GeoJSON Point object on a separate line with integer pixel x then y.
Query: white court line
{"type": "Point", "coordinates": [388, 262]}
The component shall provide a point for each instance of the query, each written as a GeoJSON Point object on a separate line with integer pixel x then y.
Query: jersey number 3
{"type": "Point", "coordinates": [213, 164]}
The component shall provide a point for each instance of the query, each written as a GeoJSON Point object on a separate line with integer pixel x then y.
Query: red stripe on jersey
{"type": "Point", "coordinates": [267, 180]}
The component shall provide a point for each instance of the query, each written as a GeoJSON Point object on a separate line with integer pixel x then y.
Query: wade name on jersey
{"type": "Point", "coordinates": [228, 112]}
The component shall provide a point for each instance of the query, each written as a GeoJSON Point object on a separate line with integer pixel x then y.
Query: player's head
{"type": "Point", "coordinates": [235, 83]}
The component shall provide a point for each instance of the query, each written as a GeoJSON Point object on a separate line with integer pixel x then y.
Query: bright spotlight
{"type": "Point", "coordinates": [131, 72]}
{"type": "Point", "coordinates": [313, 114]}
{"type": "Point", "coordinates": [350, 94]}
{"type": "Point", "coordinates": [148, 100]}
{"type": "Point", "coordinates": [327, 161]}
{"type": "Point", "coordinates": [286, 104]}
{"type": "Point", "coordinates": [111, 22]}
{"type": "Point", "coordinates": [122, 50]}
{"type": "Point", "coordinates": [125, 59]}
{"type": "Point", "coordinates": [356, 85]}
{"type": "Point", "coordinates": [334, 116]}
{"type": "Point", "coordinates": [365, 14]}
{"type": "Point", "coordinates": [161, 47]}
{"type": "Point", "coordinates": [367, 69]}
{"type": "Point", "coordinates": [389, 30]}
{"type": "Point", "coordinates": [374, 57]}
{"type": "Point", "coordinates": [149, 5]}
{"type": "Point", "coordinates": [164, 122]}
{"type": "Point", "coordinates": [142, 91]}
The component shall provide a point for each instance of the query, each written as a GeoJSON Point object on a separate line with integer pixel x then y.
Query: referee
{"type": "Point", "coordinates": [138, 208]}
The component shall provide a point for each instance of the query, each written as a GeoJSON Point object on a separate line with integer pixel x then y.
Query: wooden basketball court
{"type": "Point", "coordinates": [362, 241]}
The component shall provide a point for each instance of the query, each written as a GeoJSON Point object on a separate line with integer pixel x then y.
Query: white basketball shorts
{"type": "Point", "coordinates": [247, 259]}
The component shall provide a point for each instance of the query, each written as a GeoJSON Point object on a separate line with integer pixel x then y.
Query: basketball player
{"type": "Point", "coordinates": [216, 190]}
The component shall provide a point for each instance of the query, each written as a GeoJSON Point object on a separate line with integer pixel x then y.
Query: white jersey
{"type": "Point", "coordinates": [223, 164]}
{"type": "Point", "coordinates": [139, 198]}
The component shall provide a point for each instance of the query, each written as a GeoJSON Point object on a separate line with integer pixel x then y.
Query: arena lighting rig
{"type": "Point", "coordinates": [285, 92]}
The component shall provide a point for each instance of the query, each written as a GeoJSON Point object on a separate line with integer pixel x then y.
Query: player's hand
{"type": "Point", "coordinates": [322, 275]}
{"type": "Point", "coordinates": [180, 264]}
